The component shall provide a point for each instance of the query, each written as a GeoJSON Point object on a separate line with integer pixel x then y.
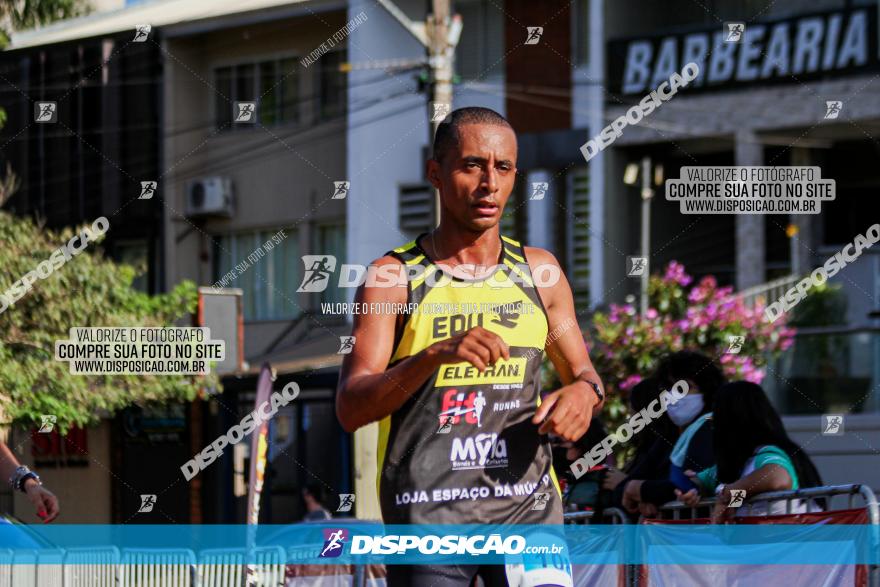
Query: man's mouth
{"type": "Point", "coordinates": [485, 208]}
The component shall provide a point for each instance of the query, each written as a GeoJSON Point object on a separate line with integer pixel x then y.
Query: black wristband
{"type": "Point", "coordinates": [596, 388]}
{"type": "Point", "coordinates": [25, 477]}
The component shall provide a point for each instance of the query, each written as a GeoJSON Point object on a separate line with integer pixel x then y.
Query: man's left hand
{"type": "Point", "coordinates": [568, 411]}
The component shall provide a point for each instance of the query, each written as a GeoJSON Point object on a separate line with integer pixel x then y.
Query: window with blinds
{"type": "Point", "coordinates": [272, 83]}
{"type": "Point", "coordinates": [331, 241]}
{"type": "Point", "coordinates": [578, 235]}
{"type": "Point", "coordinates": [268, 271]}
{"type": "Point", "coordinates": [414, 209]}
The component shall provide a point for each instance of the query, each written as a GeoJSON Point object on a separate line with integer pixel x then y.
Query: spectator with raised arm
{"type": "Point", "coordinates": [23, 479]}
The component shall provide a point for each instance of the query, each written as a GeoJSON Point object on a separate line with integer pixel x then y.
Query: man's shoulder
{"type": "Point", "coordinates": [538, 256]}
{"type": "Point", "coordinates": [399, 254]}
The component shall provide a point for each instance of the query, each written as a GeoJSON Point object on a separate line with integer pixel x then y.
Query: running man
{"type": "Point", "coordinates": [404, 364]}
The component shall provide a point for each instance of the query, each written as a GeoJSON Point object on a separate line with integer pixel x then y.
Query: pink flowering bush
{"type": "Point", "coordinates": [625, 347]}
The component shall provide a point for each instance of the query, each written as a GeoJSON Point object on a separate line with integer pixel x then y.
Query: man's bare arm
{"type": "Point", "coordinates": [368, 390]}
{"type": "Point", "coordinates": [567, 411]}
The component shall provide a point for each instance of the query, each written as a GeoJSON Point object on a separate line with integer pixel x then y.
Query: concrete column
{"type": "Point", "coordinates": [750, 241]}
{"type": "Point", "coordinates": [597, 164]}
{"type": "Point", "coordinates": [540, 213]}
{"type": "Point", "coordinates": [801, 243]}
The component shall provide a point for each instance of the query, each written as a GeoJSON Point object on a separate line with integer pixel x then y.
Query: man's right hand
{"type": "Point", "coordinates": [478, 346]}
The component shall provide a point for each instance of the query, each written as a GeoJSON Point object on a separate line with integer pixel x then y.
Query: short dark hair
{"type": "Point", "coordinates": [695, 366]}
{"type": "Point", "coordinates": [447, 135]}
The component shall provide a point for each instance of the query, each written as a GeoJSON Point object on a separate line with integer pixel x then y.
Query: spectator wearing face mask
{"type": "Point", "coordinates": [753, 453]}
{"type": "Point", "coordinates": [693, 449]}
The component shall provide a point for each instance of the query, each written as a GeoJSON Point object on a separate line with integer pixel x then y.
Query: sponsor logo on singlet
{"type": "Point", "coordinates": [504, 406]}
{"type": "Point", "coordinates": [483, 451]}
{"type": "Point", "coordinates": [512, 371]}
{"type": "Point", "coordinates": [460, 406]}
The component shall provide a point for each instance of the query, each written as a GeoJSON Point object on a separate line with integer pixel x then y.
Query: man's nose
{"type": "Point", "coordinates": [490, 179]}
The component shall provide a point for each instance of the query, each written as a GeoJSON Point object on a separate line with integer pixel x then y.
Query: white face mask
{"type": "Point", "coordinates": [685, 410]}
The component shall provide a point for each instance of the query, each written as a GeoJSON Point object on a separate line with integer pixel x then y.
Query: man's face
{"type": "Point", "coordinates": [476, 177]}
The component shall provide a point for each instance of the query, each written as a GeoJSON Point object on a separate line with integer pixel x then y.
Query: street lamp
{"type": "Point", "coordinates": [630, 176]}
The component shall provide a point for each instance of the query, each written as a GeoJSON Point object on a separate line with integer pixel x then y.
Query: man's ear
{"type": "Point", "coordinates": [433, 173]}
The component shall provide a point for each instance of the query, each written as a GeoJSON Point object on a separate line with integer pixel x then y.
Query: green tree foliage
{"type": "Point", "coordinates": [26, 14]}
{"type": "Point", "coordinates": [88, 290]}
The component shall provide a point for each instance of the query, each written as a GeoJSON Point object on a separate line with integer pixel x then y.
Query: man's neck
{"type": "Point", "coordinates": [455, 246]}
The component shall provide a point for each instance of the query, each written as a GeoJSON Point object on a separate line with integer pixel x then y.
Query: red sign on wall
{"type": "Point", "coordinates": [54, 450]}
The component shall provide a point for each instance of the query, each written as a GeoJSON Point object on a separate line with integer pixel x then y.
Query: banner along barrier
{"type": "Point", "coordinates": [838, 553]}
{"type": "Point", "coordinates": [613, 573]}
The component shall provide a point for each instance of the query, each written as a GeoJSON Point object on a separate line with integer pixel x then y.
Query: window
{"type": "Point", "coordinates": [581, 44]}
{"type": "Point", "coordinates": [415, 207]}
{"type": "Point", "coordinates": [136, 254]}
{"type": "Point", "coordinates": [332, 83]}
{"type": "Point", "coordinates": [331, 241]}
{"type": "Point", "coordinates": [267, 269]}
{"type": "Point", "coordinates": [480, 49]}
{"type": "Point", "coordinates": [513, 219]}
{"type": "Point", "coordinates": [272, 83]}
{"type": "Point", "coordinates": [578, 235]}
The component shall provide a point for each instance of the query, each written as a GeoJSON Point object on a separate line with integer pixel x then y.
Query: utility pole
{"type": "Point", "coordinates": [647, 195]}
{"type": "Point", "coordinates": [439, 34]}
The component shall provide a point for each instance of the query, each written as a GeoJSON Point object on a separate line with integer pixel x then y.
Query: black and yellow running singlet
{"type": "Point", "coordinates": [463, 449]}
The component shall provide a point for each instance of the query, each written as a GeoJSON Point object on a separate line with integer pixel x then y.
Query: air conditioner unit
{"type": "Point", "coordinates": [209, 196]}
